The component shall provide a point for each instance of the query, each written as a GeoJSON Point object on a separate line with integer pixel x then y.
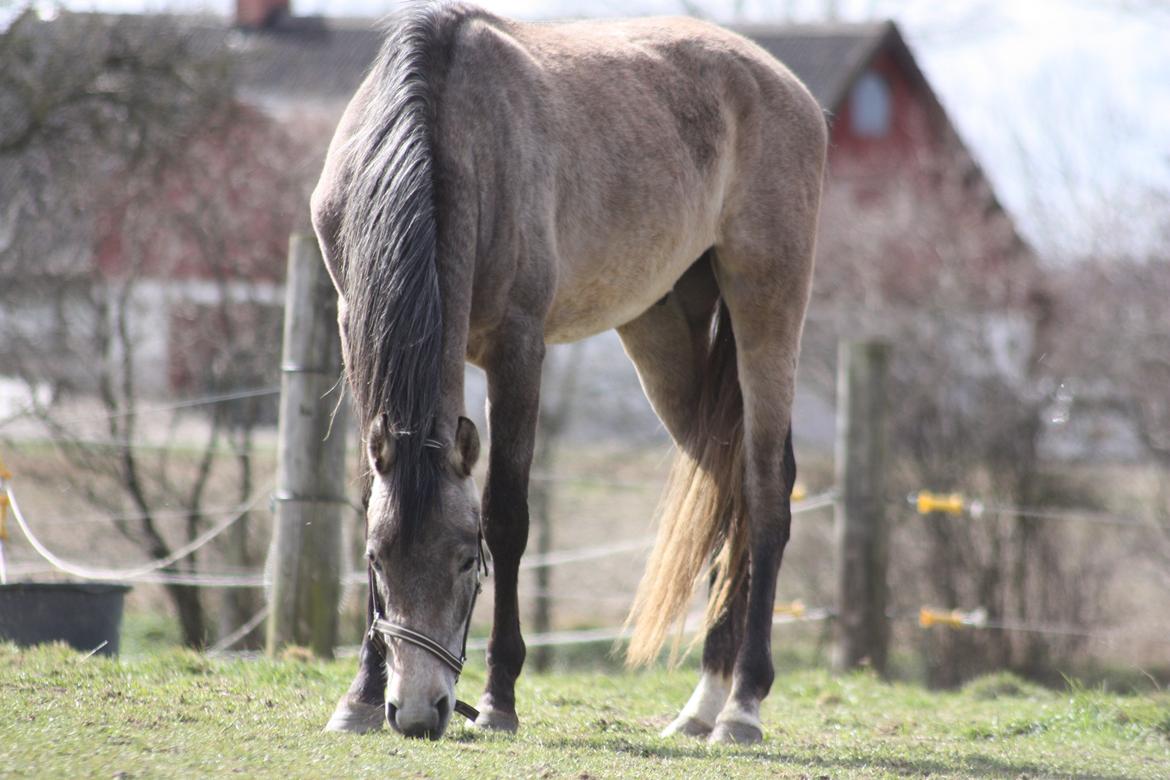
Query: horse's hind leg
{"type": "Point", "coordinates": [720, 646]}
{"type": "Point", "coordinates": [668, 345]}
{"type": "Point", "coordinates": [764, 270]}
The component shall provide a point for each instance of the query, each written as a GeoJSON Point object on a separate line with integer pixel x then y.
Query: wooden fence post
{"type": "Point", "coordinates": [305, 556]}
{"type": "Point", "coordinates": [861, 533]}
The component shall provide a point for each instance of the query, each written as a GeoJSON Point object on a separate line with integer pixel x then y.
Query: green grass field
{"type": "Point", "coordinates": [178, 714]}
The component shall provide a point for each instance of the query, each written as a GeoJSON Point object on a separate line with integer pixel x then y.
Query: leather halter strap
{"type": "Point", "coordinates": [383, 630]}
{"type": "Point", "coordinates": [388, 629]}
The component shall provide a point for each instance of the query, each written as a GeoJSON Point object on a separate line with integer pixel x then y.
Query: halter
{"type": "Point", "coordinates": [383, 630]}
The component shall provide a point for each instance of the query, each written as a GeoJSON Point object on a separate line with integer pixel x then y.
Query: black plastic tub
{"type": "Point", "coordinates": [84, 615]}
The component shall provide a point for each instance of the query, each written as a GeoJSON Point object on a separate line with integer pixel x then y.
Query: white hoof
{"type": "Point", "coordinates": [735, 732]}
{"type": "Point", "coordinates": [496, 720]}
{"type": "Point", "coordinates": [738, 725]}
{"type": "Point", "coordinates": [356, 717]}
{"type": "Point", "coordinates": [702, 708]}
{"type": "Point", "coordinates": [688, 726]}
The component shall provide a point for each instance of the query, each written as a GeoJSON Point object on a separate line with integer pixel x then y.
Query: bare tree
{"type": "Point", "coordinates": [177, 202]}
{"type": "Point", "coordinates": [922, 256]}
{"type": "Point", "coordinates": [1117, 368]}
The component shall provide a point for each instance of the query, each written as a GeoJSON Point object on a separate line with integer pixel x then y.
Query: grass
{"type": "Point", "coordinates": [178, 714]}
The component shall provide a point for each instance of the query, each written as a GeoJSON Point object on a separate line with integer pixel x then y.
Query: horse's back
{"type": "Point", "coordinates": [620, 145]}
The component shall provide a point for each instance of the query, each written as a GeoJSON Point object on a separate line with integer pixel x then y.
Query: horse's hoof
{"type": "Point", "coordinates": [356, 717]}
{"type": "Point", "coordinates": [735, 732]}
{"type": "Point", "coordinates": [497, 720]}
{"type": "Point", "coordinates": [687, 725]}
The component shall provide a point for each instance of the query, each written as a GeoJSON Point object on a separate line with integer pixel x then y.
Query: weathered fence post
{"type": "Point", "coordinates": [305, 556]}
{"type": "Point", "coordinates": [861, 533]}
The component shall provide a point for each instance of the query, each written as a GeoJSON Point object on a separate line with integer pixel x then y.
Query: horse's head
{"type": "Point", "coordinates": [426, 588]}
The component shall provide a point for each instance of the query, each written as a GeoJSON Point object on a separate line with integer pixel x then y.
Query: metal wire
{"type": "Point", "coordinates": [228, 641]}
{"type": "Point", "coordinates": [970, 620]}
{"type": "Point", "coordinates": [1100, 518]}
{"type": "Point", "coordinates": [141, 446]}
{"type": "Point", "coordinates": [614, 633]}
{"type": "Point", "coordinates": [206, 400]}
{"type": "Point", "coordinates": [977, 509]}
{"type": "Point", "coordinates": [561, 557]}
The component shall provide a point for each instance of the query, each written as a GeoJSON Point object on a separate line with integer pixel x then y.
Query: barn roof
{"type": "Point", "coordinates": [303, 57]}
{"type": "Point", "coordinates": [326, 58]}
{"type": "Point", "coordinates": [828, 57]}
{"type": "Point", "coordinates": [313, 58]}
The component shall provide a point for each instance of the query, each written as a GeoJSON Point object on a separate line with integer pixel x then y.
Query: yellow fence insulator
{"type": "Point", "coordinates": [976, 618]}
{"type": "Point", "coordinates": [799, 493]}
{"type": "Point", "coordinates": [930, 617]}
{"type": "Point", "coordinates": [5, 475]}
{"type": "Point", "coordinates": [791, 609]}
{"type": "Point", "coordinates": [947, 503]}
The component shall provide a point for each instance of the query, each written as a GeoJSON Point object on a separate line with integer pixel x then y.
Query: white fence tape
{"type": "Point", "coordinates": [138, 572]}
{"type": "Point", "coordinates": [150, 572]}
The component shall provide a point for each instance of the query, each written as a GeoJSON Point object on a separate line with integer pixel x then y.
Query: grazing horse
{"type": "Point", "coordinates": [494, 187]}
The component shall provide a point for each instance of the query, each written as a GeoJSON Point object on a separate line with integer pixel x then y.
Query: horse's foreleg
{"type": "Point", "coordinates": [513, 375]}
{"type": "Point", "coordinates": [363, 707]}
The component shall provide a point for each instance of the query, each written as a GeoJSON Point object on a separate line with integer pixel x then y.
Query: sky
{"type": "Point", "coordinates": [1066, 103]}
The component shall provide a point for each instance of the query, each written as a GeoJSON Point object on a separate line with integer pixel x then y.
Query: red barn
{"type": "Point", "coordinates": [891, 138]}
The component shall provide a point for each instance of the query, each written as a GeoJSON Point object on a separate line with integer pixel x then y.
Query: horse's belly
{"type": "Point", "coordinates": [593, 297]}
{"type": "Point", "coordinates": [584, 317]}
{"type": "Point", "coordinates": [622, 249]}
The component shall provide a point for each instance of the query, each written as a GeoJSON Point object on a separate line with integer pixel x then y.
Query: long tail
{"type": "Point", "coordinates": [701, 515]}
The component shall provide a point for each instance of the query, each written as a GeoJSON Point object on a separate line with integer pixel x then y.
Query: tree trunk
{"type": "Point", "coordinates": [192, 621]}
{"type": "Point", "coordinates": [240, 604]}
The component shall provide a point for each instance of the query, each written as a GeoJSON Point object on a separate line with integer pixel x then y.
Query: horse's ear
{"type": "Point", "coordinates": [380, 445]}
{"type": "Point", "coordinates": [466, 450]}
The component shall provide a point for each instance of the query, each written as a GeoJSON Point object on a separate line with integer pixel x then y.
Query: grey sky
{"type": "Point", "coordinates": [1066, 102]}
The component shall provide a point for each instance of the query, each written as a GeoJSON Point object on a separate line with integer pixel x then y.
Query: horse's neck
{"type": "Point", "coordinates": [451, 403]}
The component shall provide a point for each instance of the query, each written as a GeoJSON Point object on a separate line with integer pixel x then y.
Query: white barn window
{"type": "Point", "coordinates": [870, 106]}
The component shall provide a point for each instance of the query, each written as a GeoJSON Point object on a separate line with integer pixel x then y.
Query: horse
{"type": "Point", "coordinates": [493, 187]}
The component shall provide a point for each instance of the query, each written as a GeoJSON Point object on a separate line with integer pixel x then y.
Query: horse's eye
{"type": "Point", "coordinates": [468, 565]}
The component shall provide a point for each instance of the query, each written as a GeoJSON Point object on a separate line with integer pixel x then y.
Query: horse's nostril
{"type": "Point", "coordinates": [443, 708]}
{"type": "Point", "coordinates": [392, 715]}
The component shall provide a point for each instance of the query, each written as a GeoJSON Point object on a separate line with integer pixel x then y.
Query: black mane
{"type": "Point", "coordinates": [394, 326]}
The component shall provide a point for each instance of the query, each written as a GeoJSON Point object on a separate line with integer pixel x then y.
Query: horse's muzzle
{"type": "Point", "coordinates": [418, 722]}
